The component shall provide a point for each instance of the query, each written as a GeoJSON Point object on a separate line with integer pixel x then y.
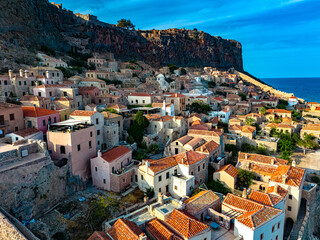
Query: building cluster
{"type": "Point", "coordinates": [85, 121]}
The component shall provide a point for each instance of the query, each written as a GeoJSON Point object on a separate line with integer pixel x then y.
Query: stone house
{"type": "Point", "coordinates": [113, 129]}
{"type": "Point", "coordinates": [40, 118]}
{"type": "Point", "coordinates": [140, 99]}
{"type": "Point", "coordinates": [114, 169]}
{"type": "Point", "coordinates": [11, 118]}
{"type": "Point", "coordinates": [280, 112]}
{"type": "Point", "coordinates": [94, 118]}
{"type": "Point", "coordinates": [93, 92]}
{"type": "Point", "coordinates": [227, 175]}
{"type": "Point", "coordinates": [74, 142]}
{"type": "Point", "coordinates": [313, 129]}
{"type": "Point", "coordinates": [29, 133]}
{"type": "Point", "coordinates": [213, 135]}
{"type": "Point", "coordinates": [179, 102]}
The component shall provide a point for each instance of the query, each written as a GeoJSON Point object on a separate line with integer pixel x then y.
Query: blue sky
{"type": "Point", "coordinates": [280, 38]}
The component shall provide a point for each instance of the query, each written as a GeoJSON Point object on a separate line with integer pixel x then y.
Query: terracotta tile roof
{"type": "Point", "coordinates": [160, 105]}
{"type": "Point", "coordinates": [189, 157]}
{"type": "Point", "coordinates": [277, 190]}
{"type": "Point", "coordinates": [230, 169]}
{"type": "Point", "coordinates": [200, 127]}
{"type": "Point", "coordinates": [64, 99]}
{"type": "Point", "coordinates": [200, 201]}
{"type": "Point", "coordinates": [176, 95]}
{"type": "Point", "coordinates": [99, 236]}
{"type": "Point", "coordinates": [115, 153]}
{"type": "Point", "coordinates": [107, 95]}
{"type": "Point", "coordinates": [289, 175]}
{"type": "Point", "coordinates": [186, 225]}
{"type": "Point", "coordinates": [142, 94]}
{"type": "Point", "coordinates": [87, 88]}
{"type": "Point", "coordinates": [261, 158]}
{"type": "Point", "coordinates": [116, 106]}
{"type": "Point", "coordinates": [183, 140]}
{"type": "Point", "coordinates": [162, 164]}
{"type": "Point", "coordinates": [278, 111]}
{"type": "Point", "coordinates": [92, 80]}
{"type": "Point", "coordinates": [205, 132]}
{"type": "Point", "coordinates": [83, 113]}
{"type": "Point", "coordinates": [241, 204]}
{"type": "Point", "coordinates": [4, 105]}
{"type": "Point", "coordinates": [264, 198]}
{"type": "Point", "coordinates": [37, 112]}
{"type": "Point", "coordinates": [256, 218]}
{"type": "Point", "coordinates": [248, 129]}
{"type": "Point", "coordinates": [208, 147]}
{"type": "Point", "coordinates": [195, 141]}
{"type": "Point", "coordinates": [125, 230]}
{"type": "Point", "coordinates": [214, 120]}
{"type": "Point", "coordinates": [312, 127]}
{"type": "Point", "coordinates": [185, 158]}
{"type": "Point", "coordinates": [264, 169]}
{"type": "Point", "coordinates": [26, 132]}
{"type": "Point", "coordinates": [160, 232]}
{"type": "Point", "coordinates": [235, 127]}
{"type": "Point", "coordinates": [162, 119]}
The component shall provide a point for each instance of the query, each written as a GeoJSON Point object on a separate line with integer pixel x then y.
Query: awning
{"type": "Point", "coordinates": [214, 225]}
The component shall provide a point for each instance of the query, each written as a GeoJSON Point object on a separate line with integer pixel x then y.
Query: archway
{"type": "Point", "coordinates": [287, 228]}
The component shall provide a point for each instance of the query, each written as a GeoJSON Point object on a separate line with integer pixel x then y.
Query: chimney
{"type": "Point", "coordinates": [164, 105]}
{"type": "Point", "coordinates": [10, 73]}
{"type": "Point", "coordinates": [47, 74]}
{"type": "Point", "coordinates": [293, 163]}
{"type": "Point", "coordinates": [21, 72]}
{"type": "Point", "coordinates": [160, 198]}
{"type": "Point", "coordinates": [147, 166]}
{"type": "Point", "coordinates": [99, 153]}
{"type": "Point", "coordinates": [26, 73]}
{"type": "Point", "coordinates": [246, 156]}
{"type": "Point", "coordinates": [284, 179]}
{"type": "Point", "coordinates": [244, 193]}
{"type": "Point", "coordinates": [142, 236]}
{"type": "Point", "coordinates": [273, 160]}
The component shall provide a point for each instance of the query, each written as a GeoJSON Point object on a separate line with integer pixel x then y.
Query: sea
{"type": "Point", "coordinates": [305, 88]}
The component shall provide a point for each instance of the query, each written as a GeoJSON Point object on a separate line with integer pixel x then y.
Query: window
{"type": "Point", "coordinates": [175, 187]}
{"type": "Point", "coordinates": [191, 173]}
{"type": "Point", "coordinates": [168, 175]}
{"type": "Point", "coordinates": [50, 94]}
{"type": "Point", "coordinates": [177, 143]}
{"type": "Point", "coordinates": [104, 181]}
{"type": "Point", "coordinates": [290, 196]}
{"type": "Point", "coordinates": [19, 83]}
{"type": "Point", "coordinates": [159, 190]}
{"type": "Point", "coordinates": [43, 122]}
{"type": "Point", "coordinates": [277, 237]}
{"type": "Point", "coordinates": [98, 142]}
{"type": "Point", "coordinates": [79, 147]}
{"type": "Point", "coordinates": [97, 121]}
{"type": "Point", "coordinates": [278, 225]}
{"type": "Point", "coordinates": [176, 150]}
{"type": "Point", "coordinates": [98, 132]}
{"type": "Point", "coordinates": [62, 149]}
{"type": "Point", "coordinates": [11, 117]}
{"type": "Point", "coordinates": [159, 178]}
{"type": "Point", "coordinates": [198, 168]}
{"type": "Point", "coordinates": [54, 119]}
{"type": "Point", "coordinates": [203, 166]}
{"type": "Point", "coordinates": [167, 188]}
{"type": "Point", "coordinates": [39, 93]}
{"type": "Point", "coordinates": [16, 128]}
{"type": "Point", "coordinates": [289, 208]}
{"type": "Point", "coordinates": [141, 177]}
{"type": "Point", "coordinates": [96, 169]}
{"type": "Point", "coordinates": [261, 236]}
{"type": "Point", "coordinates": [90, 145]}
{"type": "Point", "coordinates": [273, 228]}
{"type": "Point", "coordinates": [91, 134]}
{"type": "Point", "coordinates": [124, 180]}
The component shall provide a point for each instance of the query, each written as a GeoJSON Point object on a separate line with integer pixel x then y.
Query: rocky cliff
{"type": "Point", "coordinates": [25, 25]}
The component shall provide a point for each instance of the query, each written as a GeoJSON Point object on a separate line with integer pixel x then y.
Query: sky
{"type": "Point", "coordinates": [280, 38]}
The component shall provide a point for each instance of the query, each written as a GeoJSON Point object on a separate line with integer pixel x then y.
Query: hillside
{"type": "Point", "coordinates": [26, 25]}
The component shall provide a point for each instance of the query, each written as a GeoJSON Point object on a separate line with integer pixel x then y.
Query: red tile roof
{"type": "Point", "coordinates": [208, 147]}
{"type": "Point", "coordinates": [230, 169]}
{"type": "Point", "coordinates": [141, 94]}
{"type": "Point", "coordinates": [264, 198]}
{"type": "Point", "coordinates": [26, 132]}
{"type": "Point", "coordinates": [124, 229]}
{"type": "Point", "coordinates": [278, 111]}
{"type": "Point", "coordinates": [289, 175]}
{"type": "Point", "coordinates": [83, 113]}
{"type": "Point", "coordinates": [186, 225]}
{"type": "Point", "coordinates": [115, 153]}
{"type": "Point", "coordinates": [99, 236]}
{"type": "Point", "coordinates": [189, 157]}
{"type": "Point", "coordinates": [205, 132]}
{"type": "Point", "coordinates": [37, 112]}
{"type": "Point", "coordinates": [31, 98]}
{"type": "Point", "coordinates": [261, 158]}
{"type": "Point", "coordinates": [202, 200]}
{"type": "Point", "coordinates": [160, 232]}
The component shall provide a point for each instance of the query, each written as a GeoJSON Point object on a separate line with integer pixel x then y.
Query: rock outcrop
{"type": "Point", "coordinates": [25, 25]}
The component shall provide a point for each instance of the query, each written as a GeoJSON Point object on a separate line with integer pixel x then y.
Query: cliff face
{"type": "Point", "coordinates": [27, 24]}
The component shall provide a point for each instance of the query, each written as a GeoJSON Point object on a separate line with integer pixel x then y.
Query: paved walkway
{"type": "Point", "coordinates": [297, 225]}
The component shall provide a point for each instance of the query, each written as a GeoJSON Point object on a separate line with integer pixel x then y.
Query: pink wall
{"type": "Point", "coordinates": [44, 128]}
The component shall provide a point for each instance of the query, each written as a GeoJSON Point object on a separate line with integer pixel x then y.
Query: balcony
{"type": "Point", "coordinates": [128, 167]}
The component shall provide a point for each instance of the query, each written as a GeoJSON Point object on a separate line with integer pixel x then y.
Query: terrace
{"type": "Point", "coordinates": [68, 126]}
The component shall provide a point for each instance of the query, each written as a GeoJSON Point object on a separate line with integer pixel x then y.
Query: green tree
{"type": "Point", "coordinates": [149, 192]}
{"type": "Point", "coordinates": [263, 111]}
{"type": "Point", "coordinates": [125, 23]}
{"type": "Point", "coordinates": [140, 123]}
{"type": "Point", "coordinates": [200, 107]}
{"type": "Point", "coordinates": [244, 178]}
{"type": "Point", "coordinates": [212, 84]}
{"type": "Point", "coordinates": [172, 67]}
{"type": "Point", "coordinates": [183, 71]}
{"type": "Point", "coordinates": [130, 139]}
{"type": "Point", "coordinates": [308, 142]}
{"type": "Point", "coordinates": [250, 121]}
{"type": "Point", "coordinates": [243, 96]}
{"type": "Point", "coordinates": [154, 148]}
